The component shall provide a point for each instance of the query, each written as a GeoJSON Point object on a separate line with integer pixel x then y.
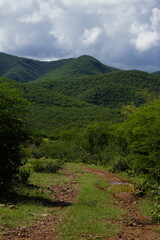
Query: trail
{"type": "Point", "coordinates": [134, 226]}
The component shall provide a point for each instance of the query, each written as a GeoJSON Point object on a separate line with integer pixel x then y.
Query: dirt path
{"type": "Point", "coordinates": [134, 226]}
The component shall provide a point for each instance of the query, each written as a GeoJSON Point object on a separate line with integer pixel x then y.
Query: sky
{"type": "Point", "coordinates": [119, 33]}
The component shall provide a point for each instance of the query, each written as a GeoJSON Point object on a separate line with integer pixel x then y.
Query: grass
{"type": "Point", "coordinates": [146, 206]}
{"type": "Point", "coordinates": [30, 202]}
{"type": "Point", "coordinates": [88, 218]}
{"type": "Point", "coordinates": [23, 214]}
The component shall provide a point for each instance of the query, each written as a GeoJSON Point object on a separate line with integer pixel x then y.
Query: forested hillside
{"type": "Point", "coordinates": [51, 112]}
{"type": "Point", "coordinates": [74, 92]}
{"type": "Point", "coordinates": [25, 70]}
{"type": "Point", "coordinates": [81, 66]}
{"type": "Point", "coordinates": [109, 90]}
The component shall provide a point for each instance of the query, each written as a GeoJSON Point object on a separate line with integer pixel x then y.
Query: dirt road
{"type": "Point", "coordinates": [134, 226]}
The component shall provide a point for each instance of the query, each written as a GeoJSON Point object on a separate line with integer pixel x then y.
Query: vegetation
{"type": "Point", "coordinates": [30, 202]}
{"type": "Point", "coordinates": [81, 66]}
{"type": "Point", "coordinates": [47, 165]}
{"type": "Point", "coordinates": [112, 90]}
{"type": "Point", "coordinates": [50, 112]}
{"type": "Point", "coordinates": [13, 134]}
{"type": "Point", "coordinates": [25, 70]}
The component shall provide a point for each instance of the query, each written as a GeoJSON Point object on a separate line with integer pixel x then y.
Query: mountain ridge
{"type": "Point", "coordinates": [25, 69]}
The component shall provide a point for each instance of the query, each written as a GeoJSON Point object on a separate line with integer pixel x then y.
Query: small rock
{"type": "Point", "coordinates": [44, 215]}
{"type": "Point", "coordinates": [12, 206]}
{"type": "Point", "coordinates": [2, 205]}
{"type": "Point", "coordinates": [134, 224]}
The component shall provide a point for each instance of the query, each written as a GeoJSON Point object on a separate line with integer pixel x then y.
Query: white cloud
{"type": "Point", "coordinates": [146, 40]}
{"type": "Point", "coordinates": [155, 19]}
{"type": "Point", "coordinates": [96, 2]}
{"type": "Point", "coordinates": [136, 28]}
{"type": "Point", "coordinates": [90, 36]}
{"type": "Point", "coordinates": [147, 35]}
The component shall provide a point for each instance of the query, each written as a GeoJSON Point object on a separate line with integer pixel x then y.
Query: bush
{"type": "Point", "coordinates": [156, 214]}
{"type": "Point", "coordinates": [13, 133]}
{"type": "Point", "coordinates": [47, 165]}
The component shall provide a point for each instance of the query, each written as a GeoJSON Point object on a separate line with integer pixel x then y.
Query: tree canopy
{"type": "Point", "coordinates": [13, 132]}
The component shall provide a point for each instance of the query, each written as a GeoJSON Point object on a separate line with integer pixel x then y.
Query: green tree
{"type": "Point", "coordinates": [13, 133]}
{"type": "Point", "coordinates": [141, 133]}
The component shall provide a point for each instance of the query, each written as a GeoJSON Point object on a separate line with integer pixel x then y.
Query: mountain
{"type": "Point", "coordinates": [25, 70]}
{"type": "Point", "coordinates": [81, 66]}
{"type": "Point", "coordinates": [51, 112]}
{"type": "Point", "coordinates": [157, 73]}
{"type": "Point", "coordinates": [108, 90]}
{"type": "Point", "coordinates": [73, 92]}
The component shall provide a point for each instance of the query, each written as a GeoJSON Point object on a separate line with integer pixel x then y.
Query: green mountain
{"type": "Point", "coordinates": [107, 90]}
{"type": "Point", "coordinates": [157, 73]}
{"type": "Point", "coordinates": [81, 66]}
{"type": "Point", "coordinates": [73, 92]}
{"type": "Point", "coordinates": [50, 112]}
{"type": "Point", "coordinates": [25, 70]}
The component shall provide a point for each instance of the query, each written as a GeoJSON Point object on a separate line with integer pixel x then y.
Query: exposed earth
{"type": "Point", "coordinates": [134, 226]}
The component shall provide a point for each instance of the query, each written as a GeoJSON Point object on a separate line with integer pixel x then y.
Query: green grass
{"type": "Point", "coordinates": [48, 179]}
{"type": "Point", "coordinates": [30, 202]}
{"type": "Point", "coordinates": [87, 219]}
{"type": "Point", "coordinates": [146, 206]}
{"type": "Point", "coordinates": [23, 214]}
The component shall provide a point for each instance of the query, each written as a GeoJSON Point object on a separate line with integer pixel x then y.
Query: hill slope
{"type": "Point", "coordinates": [108, 90]}
{"type": "Point", "coordinates": [81, 66]}
{"type": "Point", "coordinates": [50, 112]}
{"type": "Point", "coordinates": [25, 70]}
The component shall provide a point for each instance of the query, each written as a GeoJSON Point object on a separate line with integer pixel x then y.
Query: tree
{"type": "Point", "coordinates": [141, 133]}
{"type": "Point", "coordinates": [13, 132]}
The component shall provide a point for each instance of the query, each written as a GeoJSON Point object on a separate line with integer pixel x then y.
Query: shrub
{"type": "Point", "coordinates": [13, 133]}
{"type": "Point", "coordinates": [47, 165]}
{"type": "Point", "coordinates": [156, 214]}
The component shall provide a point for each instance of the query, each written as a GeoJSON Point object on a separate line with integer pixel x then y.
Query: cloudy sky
{"type": "Point", "coordinates": [120, 33]}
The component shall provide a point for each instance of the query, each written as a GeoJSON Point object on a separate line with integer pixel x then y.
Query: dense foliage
{"type": "Point", "coordinates": [81, 66]}
{"type": "Point", "coordinates": [13, 133]}
{"type": "Point", "coordinates": [50, 112]}
{"type": "Point", "coordinates": [108, 90]}
{"type": "Point", "coordinates": [25, 70]}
